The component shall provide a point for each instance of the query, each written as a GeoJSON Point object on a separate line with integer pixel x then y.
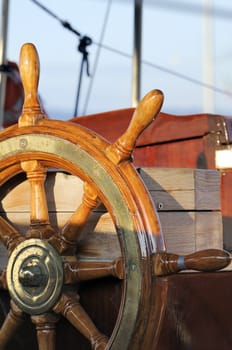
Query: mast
{"type": "Point", "coordinates": [136, 66]}
{"type": "Point", "coordinates": [3, 44]}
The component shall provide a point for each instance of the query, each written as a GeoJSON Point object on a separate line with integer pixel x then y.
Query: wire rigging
{"type": "Point", "coordinates": [106, 18]}
{"type": "Point", "coordinates": [65, 24]}
{"type": "Point", "coordinates": [168, 71]}
{"type": "Point", "coordinates": [100, 45]}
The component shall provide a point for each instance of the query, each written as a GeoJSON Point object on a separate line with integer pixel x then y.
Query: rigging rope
{"type": "Point", "coordinates": [97, 55]}
{"type": "Point", "coordinates": [65, 24]}
{"type": "Point", "coordinates": [121, 53]}
{"type": "Point", "coordinates": [167, 70]}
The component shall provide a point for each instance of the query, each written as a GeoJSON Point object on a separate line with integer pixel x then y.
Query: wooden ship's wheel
{"type": "Point", "coordinates": [43, 271]}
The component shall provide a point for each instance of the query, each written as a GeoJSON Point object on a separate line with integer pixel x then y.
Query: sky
{"type": "Point", "coordinates": [175, 53]}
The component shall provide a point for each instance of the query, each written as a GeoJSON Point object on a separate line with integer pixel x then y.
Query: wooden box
{"type": "Point", "coordinates": [188, 204]}
{"type": "Point", "coordinates": [187, 200]}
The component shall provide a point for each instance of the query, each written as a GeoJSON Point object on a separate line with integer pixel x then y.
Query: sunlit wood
{"type": "Point", "coordinates": [66, 241]}
{"type": "Point", "coordinates": [31, 114]}
{"type": "Point", "coordinates": [144, 114]}
{"type": "Point", "coordinates": [73, 227]}
{"type": "Point", "coordinates": [36, 175]}
{"type": "Point", "coordinates": [29, 71]}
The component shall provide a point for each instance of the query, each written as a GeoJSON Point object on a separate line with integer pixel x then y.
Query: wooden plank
{"type": "Point", "coordinates": [63, 192]}
{"type": "Point", "coordinates": [207, 189]}
{"type": "Point", "coordinates": [179, 231]}
{"type": "Point", "coordinates": [183, 189]}
{"type": "Point", "coordinates": [177, 193]}
{"type": "Point", "coordinates": [168, 179]}
{"type": "Point", "coordinates": [97, 222]}
{"type": "Point", "coordinates": [98, 238]}
{"type": "Point", "coordinates": [170, 189]}
{"type": "Point", "coordinates": [173, 200]}
{"type": "Point", "coordinates": [186, 232]}
{"type": "Point", "coordinates": [209, 232]}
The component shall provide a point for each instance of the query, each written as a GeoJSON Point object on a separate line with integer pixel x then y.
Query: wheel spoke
{"type": "Point", "coordinates": [89, 269]}
{"type": "Point", "coordinates": [65, 242]}
{"type": "Point", "coordinates": [70, 308]}
{"type": "Point", "coordinates": [12, 322]}
{"type": "Point", "coordinates": [145, 113]}
{"type": "Point", "coordinates": [45, 327]}
{"type": "Point", "coordinates": [40, 225]}
{"type": "Point", "coordinates": [74, 225]}
{"type": "Point", "coordinates": [9, 236]}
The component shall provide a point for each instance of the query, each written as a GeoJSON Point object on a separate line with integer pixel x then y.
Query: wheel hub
{"type": "Point", "coordinates": [35, 276]}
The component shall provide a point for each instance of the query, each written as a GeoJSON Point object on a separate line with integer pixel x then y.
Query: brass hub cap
{"type": "Point", "coordinates": [35, 276]}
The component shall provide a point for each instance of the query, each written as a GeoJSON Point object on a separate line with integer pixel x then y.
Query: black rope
{"type": "Point", "coordinates": [84, 42]}
{"type": "Point", "coordinates": [65, 24]}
